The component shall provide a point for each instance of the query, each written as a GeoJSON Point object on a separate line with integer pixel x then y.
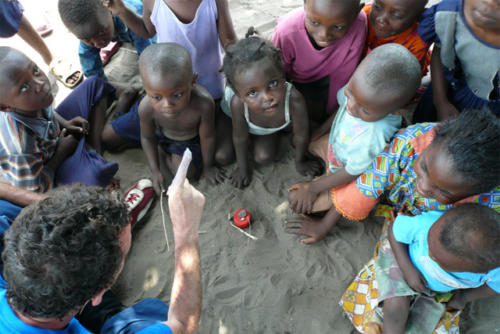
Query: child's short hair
{"type": "Point", "coordinates": [166, 59]}
{"type": "Point", "coordinates": [247, 51]}
{"type": "Point", "coordinates": [471, 140]}
{"type": "Point", "coordinates": [392, 68]}
{"type": "Point", "coordinates": [77, 12]}
{"type": "Point", "coordinates": [472, 231]}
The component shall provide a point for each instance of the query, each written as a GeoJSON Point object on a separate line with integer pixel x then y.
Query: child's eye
{"type": "Point", "coordinates": [314, 23]}
{"type": "Point", "coordinates": [338, 28]}
{"type": "Point", "coordinates": [25, 87]}
{"type": "Point", "coordinates": [273, 84]}
{"type": "Point", "coordinates": [178, 95]}
{"type": "Point", "coordinates": [36, 71]}
{"type": "Point", "coordinates": [157, 98]}
{"type": "Point", "coordinates": [252, 93]}
{"type": "Point", "coordinates": [397, 16]}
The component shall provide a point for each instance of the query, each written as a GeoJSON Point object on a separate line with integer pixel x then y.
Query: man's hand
{"type": "Point", "coordinates": [301, 197]}
{"type": "Point", "coordinates": [309, 167]}
{"type": "Point", "coordinates": [115, 6]}
{"type": "Point", "coordinates": [77, 126]}
{"type": "Point", "coordinates": [186, 207]}
{"type": "Point", "coordinates": [240, 179]}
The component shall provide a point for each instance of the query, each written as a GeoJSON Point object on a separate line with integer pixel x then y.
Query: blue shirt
{"type": "Point", "coordinates": [11, 13]}
{"type": "Point", "coordinates": [90, 59]}
{"type": "Point", "coordinates": [413, 231]}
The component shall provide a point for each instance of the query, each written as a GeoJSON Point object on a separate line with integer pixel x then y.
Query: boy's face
{"type": "Point", "coordinates": [392, 17]}
{"type": "Point", "coordinates": [169, 96]}
{"type": "Point", "coordinates": [365, 103]}
{"type": "Point", "coordinates": [327, 22]}
{"type": "Point", "coordinates": [261, 86]}
{"type": "Point", "coordinates": [436, 176]}
{"type": "Point", "coordinates": [24, 88]}
{"type": "Point", "coordinates": [437, 252]}
{"type": "Point", "coordinates": [98, 31]}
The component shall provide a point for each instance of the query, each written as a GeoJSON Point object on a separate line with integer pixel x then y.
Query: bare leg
{"type": "Point", "coordinates": [97, 119]}
{"type": "Point", "coordinates": [173, 161]}
{"type": "Point", "coordinates": [113, 142]}
{"type": "Point", "coordinates": [224, 150]}
{"type": "Point", "coordinates": [396, 312]}
{"type": "Point", "coordinates": [265, 148]}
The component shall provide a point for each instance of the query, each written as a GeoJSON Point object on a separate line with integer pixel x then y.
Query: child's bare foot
{"type": "Point", "coordinates": [315, 229]}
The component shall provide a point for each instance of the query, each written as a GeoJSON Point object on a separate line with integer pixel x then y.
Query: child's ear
{"type": "Point", "coordinates": [195, 78]}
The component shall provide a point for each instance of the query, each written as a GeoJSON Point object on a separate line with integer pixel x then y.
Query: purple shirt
{"type": "Point", "coordinates": [304, 63]}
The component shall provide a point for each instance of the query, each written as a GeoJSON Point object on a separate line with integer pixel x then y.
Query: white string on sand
{"type": "Point", "coordinates": [245, 233]}
{"type": "Point", "coordinates": [163, 220]}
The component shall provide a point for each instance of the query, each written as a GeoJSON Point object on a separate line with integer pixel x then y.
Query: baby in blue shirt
{"type": "Point", "coordinates": [456, 251]}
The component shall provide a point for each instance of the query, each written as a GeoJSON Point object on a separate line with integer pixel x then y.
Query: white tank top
{"type": "Point", "coordinates": [199, 37]}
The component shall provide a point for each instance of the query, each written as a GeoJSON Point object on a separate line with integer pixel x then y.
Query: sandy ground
{"type": "Point", "coordinates": [271, 285]}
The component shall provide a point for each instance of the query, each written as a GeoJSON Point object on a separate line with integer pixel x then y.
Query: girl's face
{"type": "Point", "coordinates": [436, 177]}
{"type": "Point", "coordinates": [483, 14]}
{"type": "Point", "coordinates": [25, 89]}
{"type": "Point", "coordinates": [437, 252]}
{"type": "Point", "coordinates": [392, 17]}
{"type": "Point", "coordinates": [328, 21]}
{"type": "Point", "coordinates": [261, 85]}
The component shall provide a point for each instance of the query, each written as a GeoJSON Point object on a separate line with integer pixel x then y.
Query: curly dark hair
{"type": "Point", "coordinates": [61, 251]}
{"type": "Point", "coordinates": [247, 51]}
{"type": "Point", "coordinates": [471, 140]}
{"type": "Point", "coordinates": [77, 12]}
{"type": "Point", "coordinates": [472, 231]}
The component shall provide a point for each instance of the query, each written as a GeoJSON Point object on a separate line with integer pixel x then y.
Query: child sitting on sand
{"type": "Point", "coordinates": [395, 21]}
{"type": "Point", "coordinates": [40, 146]}
{"type": "Point", "coordinates": [465, 64]}
{"type": "Point", "coordinates": [321, 46]}
{"type": "Point", "coordinates": [261, 104]}
{"type": "Point", "coordinates": [177, 113]}
{"type": "Point", "coordinates": [95, 27]}
{"type": "Point", "coordinates": [456, 251]}
{"type": "Point", "coordinates": [369, 114]}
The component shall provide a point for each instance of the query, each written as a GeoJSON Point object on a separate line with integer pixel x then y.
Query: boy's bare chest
{"type": "Point", "coordinates": [180, 127]}
{"type": "Point", "coordinates": [185, 10]}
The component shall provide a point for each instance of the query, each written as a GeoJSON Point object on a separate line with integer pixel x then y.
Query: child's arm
{"type": "Point", "coordinates": [440, 87]}
{"type": "Point", "coordinates": [324, 128]}
{"type": "Point", "coordinates": [207, 138]}
{"type": "Point", "coordinates": [462, 297]}
{"type": "Point", "coordinates": [65, 147]}
{"type": "Point", "coordinates": [149, 143]}
{"type": "Point", "coordinates": [304, 194]}
{"type": "Point", "coordinates": [300, 123]}
{"type": "Point", "coordinates": [227, 35]}
{"type": "Point", "coordinates": [142, 26]}
{"type": "Point", "coordinates": [241, 177]}
{"type": "Point", "coordinates": [75, 126]}
{"type": "Point", "coordinates": [410, 273]}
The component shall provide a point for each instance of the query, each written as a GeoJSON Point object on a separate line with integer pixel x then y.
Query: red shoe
{"type": "Point", "coordinates": [138, 200]}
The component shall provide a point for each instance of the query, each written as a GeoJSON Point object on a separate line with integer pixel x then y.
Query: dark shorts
{"type": "Point", "coordinates": [84, 166]}
{"type": "Point", "coordinates": [178, 147]}
{"type": "Point", "coordinates": [128, 125]}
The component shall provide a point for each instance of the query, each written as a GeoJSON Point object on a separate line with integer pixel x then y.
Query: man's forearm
{"type": "Point", "coordinates": [185, 300]}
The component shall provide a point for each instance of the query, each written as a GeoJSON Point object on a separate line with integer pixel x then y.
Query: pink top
{"type": "Point", "coordinates": [304, 63]}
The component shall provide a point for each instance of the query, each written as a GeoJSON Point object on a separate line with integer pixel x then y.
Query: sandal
{"type": "Point", "coordinates": [66, 72]}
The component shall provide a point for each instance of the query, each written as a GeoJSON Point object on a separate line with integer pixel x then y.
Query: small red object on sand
{"type": "Point", "coordinates": [241, 218]}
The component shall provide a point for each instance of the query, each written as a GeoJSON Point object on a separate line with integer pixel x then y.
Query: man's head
{"type": "Point", "coordinates": [24, 88]}
{"type": "Point", "coordinates": [65, 251]}
{"type": "Point", "coordinates": [88, 20]}
{"type": "Point", "coordinates": [466, 238]}
{"type": "Point", "coordinates": [384, 83]}
{"type": "Point", "coordinates": [167, 75]}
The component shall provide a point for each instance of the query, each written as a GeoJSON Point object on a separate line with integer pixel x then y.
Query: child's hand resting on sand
{"type": "Point", "coordinates": [301, 197]}
{"type": "Point", "coordinates": [240, 179]}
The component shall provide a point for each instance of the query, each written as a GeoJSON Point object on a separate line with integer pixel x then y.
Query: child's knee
{"type": "Point", "coordinates": [263, 157]}
{"type": "Point", "coordinates": [396, 309]}
{"type": "Point", "coordinates": [224, 157]}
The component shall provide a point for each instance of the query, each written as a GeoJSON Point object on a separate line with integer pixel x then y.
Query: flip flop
{"type": "Point", "coordinates": [108, 51]}
{"type": "Point", "coordinates": [69, 74]}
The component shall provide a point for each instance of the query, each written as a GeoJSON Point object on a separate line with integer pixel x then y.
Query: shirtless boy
{"type": "Point", "coordinates": [177, 114]}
